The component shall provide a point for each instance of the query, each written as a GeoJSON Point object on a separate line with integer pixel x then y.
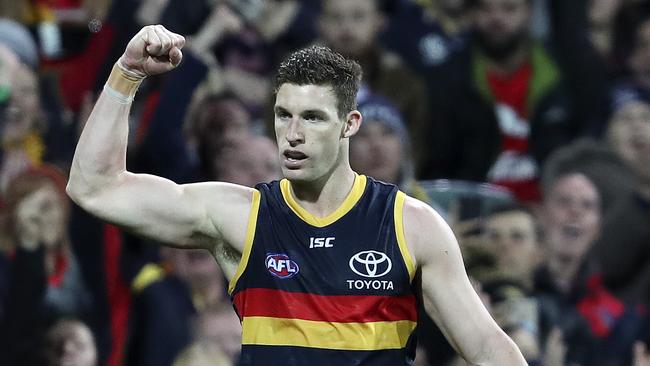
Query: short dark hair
{"type": "Point", "coordinates": [574, 158]}
{"type": "Point", "coordinates": [319, 65]}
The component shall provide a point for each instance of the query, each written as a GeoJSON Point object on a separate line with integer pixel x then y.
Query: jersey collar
{"type": "Point", "coordinates": [353, 197]}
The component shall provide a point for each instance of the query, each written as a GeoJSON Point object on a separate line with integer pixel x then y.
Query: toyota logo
{"type": "Point", "coordinates": [370, 263]}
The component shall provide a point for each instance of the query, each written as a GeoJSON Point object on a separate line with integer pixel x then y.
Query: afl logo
{"type": "Point", "coordinates": [281, 266]}
{"type": "Point", "coordinates": [370, 263]}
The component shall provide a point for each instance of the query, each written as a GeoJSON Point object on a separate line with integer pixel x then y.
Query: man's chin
{"type": "Point", "coordinates": [294, 174]}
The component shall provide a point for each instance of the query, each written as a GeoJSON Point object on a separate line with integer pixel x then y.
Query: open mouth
{"type": "Point", "coordinates": [293, 158]}
{"type": "Point", "coordinates": [571, 232]}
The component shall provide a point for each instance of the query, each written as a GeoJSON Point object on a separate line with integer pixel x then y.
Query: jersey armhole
{"type": "Point", "coordinates": [399, 230]}
{"type": "Point", "coordinates": [248, 243]}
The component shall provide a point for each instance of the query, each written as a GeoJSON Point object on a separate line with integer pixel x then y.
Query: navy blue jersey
{"type": "Point", "coordinates": [326, 291]}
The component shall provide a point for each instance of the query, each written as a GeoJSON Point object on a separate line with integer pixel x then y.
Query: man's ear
{"type": "Point", "coordinates": [352, 124]}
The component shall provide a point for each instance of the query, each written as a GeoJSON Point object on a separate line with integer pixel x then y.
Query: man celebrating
{"type": "Point", "coordinates": [324, 265]}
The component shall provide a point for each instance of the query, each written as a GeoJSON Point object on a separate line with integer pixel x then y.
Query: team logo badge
{"type": "Point", "coordinates": [371, 264]}
{"type": "Point", "coordinates": [281, 266]}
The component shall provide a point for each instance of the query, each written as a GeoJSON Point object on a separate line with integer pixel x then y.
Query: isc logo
{"type": "Point", "coordinates": [321, 242]}
{"type": "Point", "coordinates": [281, 266]}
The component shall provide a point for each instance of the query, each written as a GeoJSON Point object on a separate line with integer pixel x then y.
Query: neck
{"type": "Point", "coordinates": [563, 272]}
{"type": "Point", "coordinates": [324, 196]}
{"type": "Point", "coordinates": [509, 64]}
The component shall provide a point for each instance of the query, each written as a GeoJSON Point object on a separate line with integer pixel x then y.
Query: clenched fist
{"type": "Point", "coordinates": [154, 50]}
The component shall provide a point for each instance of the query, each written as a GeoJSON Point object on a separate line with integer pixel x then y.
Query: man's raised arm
{"type": "Point", "coordinates": [193, 215]}
{"type": "Point", "coordinates": [447, 293]}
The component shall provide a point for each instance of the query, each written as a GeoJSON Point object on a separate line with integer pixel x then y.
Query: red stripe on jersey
{"type": "Point", "coordinates": [342, 309]}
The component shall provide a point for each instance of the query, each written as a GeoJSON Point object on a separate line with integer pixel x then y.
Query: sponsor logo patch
{"type": "Point", "coordinates": [281, 266]}
{"type": "Point", "coordinates": [370, 264]}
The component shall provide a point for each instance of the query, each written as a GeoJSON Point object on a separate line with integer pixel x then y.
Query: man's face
{"type": "Point", "coordinates": [43, 207]}
{"type": "Point", "coordinates": [197, 267]}
{"type": "Point", "coordinates": [513, 237]}
{"type": "Point", "coordinates": [572, 217]}
{"type": "Point", "coordinates": [350, 27]}
{"type": "Point", "coordinates": [24, 106]}
{"type": "Point", "coordinates": [602, 12]}
{"type": "Point", "coordinates": [223, 121]}
{"type": "Point", "coordinates": [70, 343]}
{"type": "Point", "coordinates": [309, 132]}
{"type": "Point", "coordinates": [501, 24]}
{"type": "Point", "coordinates": [640, 58]}
{"type": "Point", "coordinates": [377, 151]}
{"type": "Point", "coordinates": [630, 134]}
{"type": "Point", "coordinates": [249, 161]}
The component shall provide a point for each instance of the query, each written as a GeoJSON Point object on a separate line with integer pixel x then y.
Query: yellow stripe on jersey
{"type": "Point", "coordinates": [248, 243]}
{"type": "Point", "coordinates": [369, 336]}
{"type": "Point", "coordinates": [353, 197]}
{"type": "Point", "coordinates": [399, 230]}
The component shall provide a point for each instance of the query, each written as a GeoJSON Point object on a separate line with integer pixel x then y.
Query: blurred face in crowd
{"type": "Point", "coordinates": [602, 12]}
{"type": "Point", "coordinates": [24, 107]}
{"type": "Point", "coordinates": [571, 216]}
{"type": "Point", "coordinates": [350, 27]}
{"type": "Point", "coordinates": [70, 343]}
{"type": "Point", "coordinates": [377, 151]}
{"type": "Point", "coordinates": [197, 267]}
{"type": "Point", "coordinates": [640, 57]}
{"type": "Point", "coordinates": [513, 237]}
{"type": "Point", "coordinates": [44, 209]}
{"type": "Point", "coordinates": [248, 162]}
{"type": "Point", "coordinates": [223, 120]}
{"type": "Point", "coordinates": [501, 26]}
{"type": "Point", "coordinates": [312, 138]}
{"type": "Point", "coordinates": [629, 133]}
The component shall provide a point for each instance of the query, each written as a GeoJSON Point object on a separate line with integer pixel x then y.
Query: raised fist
{"type": "Point", "coordinates": [154, 50]}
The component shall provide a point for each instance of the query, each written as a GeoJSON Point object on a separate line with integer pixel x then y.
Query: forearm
{"type": "Point", "coordinates": [500, 350]}
{"type": "Point", "coordinates": [100, 156]}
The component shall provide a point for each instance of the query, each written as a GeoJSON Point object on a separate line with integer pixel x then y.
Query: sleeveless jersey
{"type": "Point", "coordinates": [326, 291]}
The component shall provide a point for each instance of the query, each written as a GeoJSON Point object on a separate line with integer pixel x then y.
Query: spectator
{"type": "Point", "coordinates": [597, 327]}
{"type": "Point", "coordinates": [247, 161]}
{"type": "Point", "coordinates": [510, 249]}
{"type": "Point", "coordinates": [501, 108]}
{"type": "Point", "coordinates": [37, 212]}
{"type": "Point", "coordinates": [166, 300]}
{"type": "Point", "coordinates": [22, 123]}
{"type": "Point", "coordinates": [511, 234]}
{"type": "Point", "coordinates": [18, 39]}
{"type": "Point", "coordinates": [213, 121]}
{"type": "Point", "coordinates": [622, 250]}
{"type": "Point", "coordinates": [44, 277]}
{"type": "Point", "coordinates": [633, 41]}
{"type": "Point", "coordinates": [352, 28]}
{"type": "Point", "coordinates": [70, 343]}
{"type": "Point", "coordinates": [427, 33]}
{"type": "Point", "coordinates": [222, 328]}
{"type": "Point", "coordinates": [382, 148]}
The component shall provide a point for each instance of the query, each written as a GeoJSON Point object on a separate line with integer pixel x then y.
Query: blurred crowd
{"type": "Point", "coordinates": [525, 123]}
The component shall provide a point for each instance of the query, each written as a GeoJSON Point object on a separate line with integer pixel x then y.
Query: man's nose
{"type": "Point", "coordinates": [294, 133]}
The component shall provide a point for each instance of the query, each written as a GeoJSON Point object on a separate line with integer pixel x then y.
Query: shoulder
{"type": "Point", "coordinates": [427, 234]}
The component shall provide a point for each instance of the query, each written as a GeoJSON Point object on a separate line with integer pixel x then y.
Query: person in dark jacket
{"type": "Point", "coordinates": [500, 107]}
